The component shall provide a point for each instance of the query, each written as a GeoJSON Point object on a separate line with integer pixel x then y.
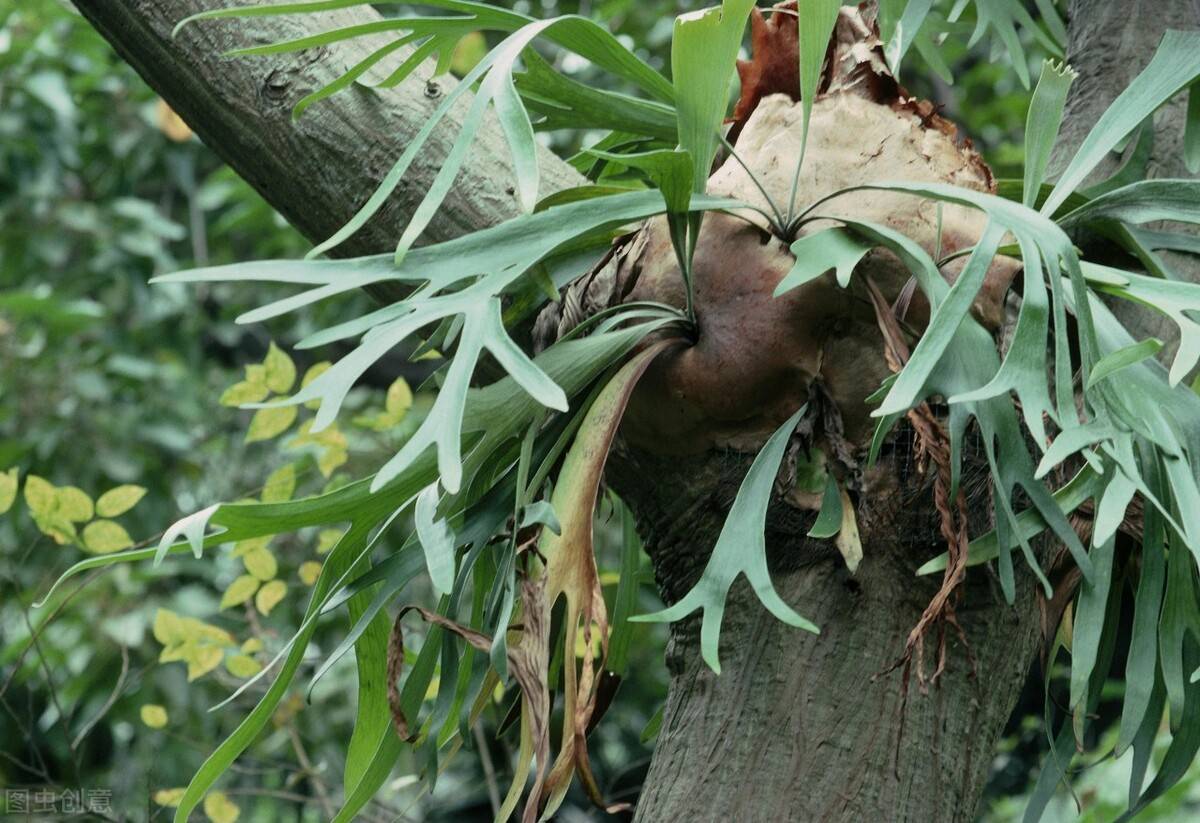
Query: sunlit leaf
{"type": "Point", "coordinates": [269, 596]}
{"type": "Point", "coordinates": [239, 591]}
{"type": "Point", "coordinates": [242, 665]}
{"type": "Point", "coordinates": [201, 660]}
{"type": "Point", "coordinates": [314, 371]}
{"type": "Point", "coordinates": [74, 504]}
{"type": "Point", "coordinates": [168, 797]}
{"type": "Point", "coordinates": [220, 809]}
{"type": "Point", "coordinates": [153, 715]}
{"type": "Point", "coordinates": [261, 564]}
{"type": "Point", "coordinates": [119, 500]}
{"type": "Point", "coordinates": [280, 485]}
{"type": "Point", "coordinates": [8, 489]}
{"type": "Point", "coordinates": [244, 392]}
{"type": "Point", "coordinates": [270, 422]}
{"type": "Point", "coordinates": [327, 539]}
{"type": "Point", "coordinates": [399, 398]}
{"type": "Point", "coordinates": [39, 495]}
{"type": "Point", "coordinates": [309, 571]}
{"type": "Point", "coordinates": [280, 370]}
{"type": "Point", "coordinates": [105, 537]}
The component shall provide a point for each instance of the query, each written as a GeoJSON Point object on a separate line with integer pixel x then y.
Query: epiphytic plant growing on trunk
{"type": "Point", "coordinates": [801, 276]}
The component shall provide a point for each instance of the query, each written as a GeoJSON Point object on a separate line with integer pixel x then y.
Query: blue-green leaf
{"type": "Point", "coordinates": [741, 549]}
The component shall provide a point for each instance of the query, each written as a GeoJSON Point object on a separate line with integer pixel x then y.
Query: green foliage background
{"type": "Point", "coordinates": [105, 381]}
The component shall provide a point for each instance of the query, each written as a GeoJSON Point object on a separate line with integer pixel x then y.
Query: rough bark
{"type": "Point", "coordinates": [813, 728]}
{"type": "Point", "coordinates": [1110, 42]}
{"type": "Point", "coordinates": [804, 728]}
{"type": "Point", "coordinates": [319, 169]}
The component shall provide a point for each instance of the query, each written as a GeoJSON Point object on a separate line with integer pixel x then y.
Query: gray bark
{"type": "Point", "coordinates": [1110, 42]}
{"type": "Point", "coordinates": [319, 169]}
{"type": "Point", "coordinates": [800, 727]}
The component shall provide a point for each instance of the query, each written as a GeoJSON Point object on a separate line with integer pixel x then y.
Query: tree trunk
{"type": "Point", "coordinates": [813, 727]}
{"type": "Point", "coordinates": [809, 728]}
{"type": "Point", "coordinates": [1110, 42]}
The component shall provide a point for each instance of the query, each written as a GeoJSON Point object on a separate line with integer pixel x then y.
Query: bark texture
{"type": "Point", "coordinates": [811, 728]}
{"type": "Point", "coordinates": [805, 728]}
{"type": "Point", "coordinates": [319, 169]}
{"type": "Point", "coordinates": [1110, 43]}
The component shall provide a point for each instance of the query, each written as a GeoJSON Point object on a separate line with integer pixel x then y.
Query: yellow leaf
{"type": "Point", "coordinates": [309, 572]}
{"type": "Point", "coordinates": [261, 563]}
{"type": "Point", "coordinates": [39, 495]}
{"type": "Point", "coordinates": [242, 665]}
{"type": "Point", "coordinates": [239, 591]}
{"type": "Point", "coordinates": [470, 50]}
{"type": "Point", "coordinates": [252, 645]}
{"type": "Point", "coordinates": [329, 437]}
{"type": "Point", "coordinates": [116, 502]}
{"type": "Point", "coordinates": [280, 485]}
{"type": "Point", "coordinates": [8, 489]}
{"type": "Point", "coordinates": [193, 641]}
{"type": "Point", "coordinates": [244, 392]}
{"type": "Point", "coordinates": [272, 422]}
{"type": "Point", "coordinates": [220, 809]}
{"type": "Point", "coordinates": [327, 539]}
{"type": "Point", "coordinates": [168, 627]}
{"type": "Point", "coordinates": [74, 504]}
{"type": "Point", "coordinates": [58, 528]}
{"type": "Point", "coordinates": [105, 537]}
{"type": "Point", "coordinates": [154, 716]}
{"type": "Point", "coordinates": [281, 371]}
{"type": "Point", "coordinates": [269, 595]}
{"type": "Point", "coordinates": [245, 547]}
{"type": "Point", "coordinates": [202, 660]}
{"type": "Point", "coordinates": [168, 797]}
{"type": "Point", "coordinates": [331, 460]}
{"type": "Point", "coordinates": [399, 399]}
{"type": "Point", "coordinates": [210, 633]}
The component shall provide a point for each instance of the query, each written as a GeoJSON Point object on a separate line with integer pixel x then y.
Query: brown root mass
{"type": "Point", "coordinates": [756, 357]}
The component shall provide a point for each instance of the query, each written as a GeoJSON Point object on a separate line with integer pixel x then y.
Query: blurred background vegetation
{"type": "Point", "coordinates": [106, 382]}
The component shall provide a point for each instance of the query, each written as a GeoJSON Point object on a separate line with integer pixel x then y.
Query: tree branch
{"type": "Point", "coordinates": [319, 169]}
